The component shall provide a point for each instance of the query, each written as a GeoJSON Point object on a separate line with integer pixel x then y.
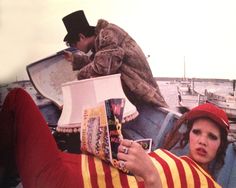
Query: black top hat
{"type": "Point", "coordinates": [75, 23]}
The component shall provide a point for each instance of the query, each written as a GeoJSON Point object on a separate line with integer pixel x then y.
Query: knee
{"type": "Point", "coordinates": [15, 95]}
{"type": "Point", "coordinates": [18, 91]}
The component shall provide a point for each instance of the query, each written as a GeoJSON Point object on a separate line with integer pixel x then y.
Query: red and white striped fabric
{"type": "Point", "coordinates": [179, 172]}
{"type": "Point", "coordinates": [95, 173]}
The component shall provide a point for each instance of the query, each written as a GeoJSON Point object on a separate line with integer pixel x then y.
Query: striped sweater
{"type": "Point", "coordinates": [179, 172]}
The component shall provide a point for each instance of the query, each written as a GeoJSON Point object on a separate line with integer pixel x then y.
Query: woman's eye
{"type": "Point", "coordinates": [212, 136]}
{"type": "Point", "coordinates": [196, 131]}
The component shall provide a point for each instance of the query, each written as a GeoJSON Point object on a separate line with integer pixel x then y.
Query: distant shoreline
{"type": "Point", "coordinates": [195, 79]}
{"type": "Point", "coordinates": [173, 79]}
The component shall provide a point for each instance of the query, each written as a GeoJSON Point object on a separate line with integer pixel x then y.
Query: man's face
{"type": "Point", "coordinates": [81, 45]}
{"type": "Point", "coordinates": [85, 43]}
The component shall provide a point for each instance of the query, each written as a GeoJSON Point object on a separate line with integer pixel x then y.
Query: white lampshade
{"type": "Point", "coordinates": [80, 94]}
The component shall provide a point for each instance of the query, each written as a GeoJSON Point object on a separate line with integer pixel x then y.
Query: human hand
{"type": "Point", "coordinates": [138, 162]}
{"type": "Point", "coordinates": [68, 56]}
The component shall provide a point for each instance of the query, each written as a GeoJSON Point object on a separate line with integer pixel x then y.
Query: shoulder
{"type": "Point", "coordinates": [104, 25]}
{"type": "Point", "coordinates": [101, 24]}
{"type": "Point", "coordinates": [163, 153]}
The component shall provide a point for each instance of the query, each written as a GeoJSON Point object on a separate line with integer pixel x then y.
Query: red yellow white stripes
{"type": "Point", "coordinates": [180, 171]}
{"type": "Point", "coordinates": [175, 172]}
{"type": "Point", "coordinates": [97, 173]}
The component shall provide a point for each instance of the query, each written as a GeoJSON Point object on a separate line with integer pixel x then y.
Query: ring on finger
{"type": "Point", "coordinates": [131, 142]}
{"type": "Point", "coordinates": [122, 164]}
{"type": "Point", "coordinates": [125, 150]}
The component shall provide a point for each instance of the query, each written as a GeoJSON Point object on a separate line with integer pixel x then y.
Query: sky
{"type": "Point", "coordinates": [201, 33]}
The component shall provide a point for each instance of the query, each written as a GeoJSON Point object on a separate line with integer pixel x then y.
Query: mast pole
{"type": "Point", "coordinates": [184, 69]}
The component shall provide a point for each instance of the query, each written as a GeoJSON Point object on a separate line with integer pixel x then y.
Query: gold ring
{"type": "Point", "coordinates": [131, 142]}
{"type": "Point", "coordinates": [122, 164]}
{"type": "Point", "coordinates": [125, 150]}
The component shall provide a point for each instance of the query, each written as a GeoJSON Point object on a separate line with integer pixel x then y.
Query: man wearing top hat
{"type": "Point", "coordinates": [114, 51]}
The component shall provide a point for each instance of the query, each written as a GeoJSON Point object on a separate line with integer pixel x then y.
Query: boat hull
{"type": "Point", "coordinates": [154, 123]}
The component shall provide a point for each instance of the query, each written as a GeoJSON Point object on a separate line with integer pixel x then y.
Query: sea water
{"type": "Point", "coordinates": [169, 92]}
{"type": "Point", "coordinates": [169, 89]}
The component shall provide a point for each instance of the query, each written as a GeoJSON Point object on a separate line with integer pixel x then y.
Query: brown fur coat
{"type": "Point", "coordinates": [117, 52]}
